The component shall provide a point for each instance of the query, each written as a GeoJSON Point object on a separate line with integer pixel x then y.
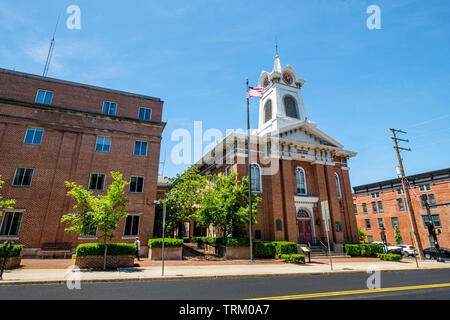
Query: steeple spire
{"type": "Point", "coordinates": [277, 64]}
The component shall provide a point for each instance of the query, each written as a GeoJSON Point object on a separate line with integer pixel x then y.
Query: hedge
{"type": "Point", "coordinates": [98, 249]}
{"type": "Point", "coordinates": [364, 249]}
{"type": "Point", "coordinates": [11, 253]}
{"type": "Point", "coordinates": [271, 249]}
{"type": "Point", "coordinates": [204, 239]}
{"type": "Point", "coordinates": [389, 256]}
{"type": "Point", "coordinates": [285, 247]}
{"type": "Point", "coordinates": [168, 243]}
{"type": "Point", "coordinates": [293, 258]}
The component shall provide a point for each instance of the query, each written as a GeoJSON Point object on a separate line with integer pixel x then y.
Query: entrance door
{"type": "Point", "coordinates": [304, 231]}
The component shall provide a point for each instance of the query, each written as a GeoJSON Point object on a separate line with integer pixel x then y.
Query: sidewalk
{"type": "Point", "coordinates": [34, 271]}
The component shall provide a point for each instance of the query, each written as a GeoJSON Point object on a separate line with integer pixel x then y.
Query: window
{"type": "Point", "coordinates": [256, 178]}
{"type": "Point", "coordinates": [109, 108]}
{"type": "Point", "coordinates": [338, 186]}
{"type": "Point", "coordinates": [227, 171]}
{"type": "Point", "coordinates": [374, 207]}
{"type": "Point", "coordinates": [364, 206]}
{"type": "Point", "coordinates": [380, 223]}
{"type": "Point", "coordinates": [145, 114]}
{"type": "Point", "coordinates": [22, 177]}
{"type": "Point", "coordinates": [103, 144]}
{"type": "Point", "coordinates": [401, 205]}
{"type": "Point", "coordinates": [367, 222]}
{"type": "Point", "coordinates": [44, 97]}
{"type": "Point", "coordinates": [399, 191]}
{"type": "Point", "coordinates": [11, 224]}
{"type": "Point", "coordinates": [258, 234]}
{"type": "Point", "coordinates": [369, 239]}
{"type": "Point", "coordinates": [301, 181]}
{"type": "Point", "coordinates": [269, 148]}
{"type": "Point", "coordinates": [425, 187]}
{"type": "Point", "coordinates": [380, 207]}
{"type": "Point", "coordinates": [33, 136]}
{"type": "Point", "coordinates": [431, 200]}
{"type": "Point", "coordinates": [395, 222]}
{"type": "Point", "coordinates": [137, 184]}
{"type": "Point", "coordinates": [96, 181]}
{"type": "Point", "coordinates": [434, 218]}
{"type": "Point", "coordinates": [338, 226]}
{"type": "Point", "coordinates": [375, 195]}
{"type": "Point", "coordinates": [290, 107]}
{"type": "Point", "coordinates": [268, 111]}
{"type": "Point", "coordinates": [140, 148]}
{"type": "Point", "coordinates": [131, 226]}
{"type": "Point", "coordinates": [278, 225]}
{"type": "Point", "coordinates": [355, 208]}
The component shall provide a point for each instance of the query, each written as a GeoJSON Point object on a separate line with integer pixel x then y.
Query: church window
{"type": "Point", "coordinates": [279, 225]}
{"type": "Point", "coordinates": [256, 178]}
{"type": "Point", "coordinates": [301, 181]}
{"type": "Point", "coordinates": [338, 186]}
{"type": "Point", "coordinates": [290, 107]}
{"type": "Point", "coordinates": [268, 111]}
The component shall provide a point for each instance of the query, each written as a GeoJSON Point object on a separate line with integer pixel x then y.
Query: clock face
{"type": "Point", "coordinates": [287, 78]}
{"type": "Point", "coordinates": [266, 82]}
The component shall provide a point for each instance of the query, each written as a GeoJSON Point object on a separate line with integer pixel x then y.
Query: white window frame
{"type": "Point", "coordinates": [45, 95]}
{"type": "Point", "coordinates": [143, 179]}
{"type": "Point", "coordinates": [131, 229]}
{"type": "Point", "coordinates": [90, 180]}
{"type": "Point", "coordinates": [103, 144]}
{"type": "Point", "coordinates": [34, 135]}
{"type": "Point", "coordinates": [14, 212]}
{"type": "Point", "coordinates": [22, 185]}
{"type": "Point", "coordinates": [338, 185]}
{"type": "Point", "coordinates": [260, 178]}
{"type": "Point", "coordinates": [110, 102]}
{"type": "Point", "coordinates": [297, 170]}
{"type": "Point", "coordinates": [146, 148]}
{"type": "Point", "coordinates": [145, 108]}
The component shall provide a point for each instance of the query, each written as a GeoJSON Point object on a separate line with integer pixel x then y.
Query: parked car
{"type": "Point", "coordinates": [431, 253]}
{"type": "Point", "coordinates": [392, 249]}
{"type": "Point", "coordinates": [408, 250]}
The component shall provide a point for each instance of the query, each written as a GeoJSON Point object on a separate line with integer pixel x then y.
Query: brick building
{"type": "Point", "coordinates": [295, 166]}
{"type": "Point", "coordinates": [384, 204]}
{"type": "Point", "coordinates": [53, 131]}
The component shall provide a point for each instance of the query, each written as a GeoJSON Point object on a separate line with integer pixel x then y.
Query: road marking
{"type": "Point", "coordinates": [341, 293]}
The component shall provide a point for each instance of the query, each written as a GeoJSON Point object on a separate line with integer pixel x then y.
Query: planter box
{"type": "Point", "coordinates": [237, 253]}
{"type": "Point", "coordinates": [169, 253]}
{"type": "Point", "coordinates": [97, 261]}
{"type": "Point", "coordinates": [11, 263]}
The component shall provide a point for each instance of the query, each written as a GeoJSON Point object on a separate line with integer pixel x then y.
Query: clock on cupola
{"type": "Point", "coordinates": [281, 103]}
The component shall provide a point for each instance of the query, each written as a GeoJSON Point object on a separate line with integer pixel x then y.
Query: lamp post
{"type": "Point", "coordinates": [163, 228]}
{"type": "Point", "coordinates": [5, 249]}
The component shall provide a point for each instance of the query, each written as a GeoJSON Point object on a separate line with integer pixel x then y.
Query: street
{"type": "Point", "coordinates": [415, 285]}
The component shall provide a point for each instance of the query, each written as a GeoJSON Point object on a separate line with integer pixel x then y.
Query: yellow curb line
{"type": "Point", "coordinates": [341, 293]}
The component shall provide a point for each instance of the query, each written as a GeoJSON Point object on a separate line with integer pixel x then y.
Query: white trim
{"type": "Point", "coordinates": [304, 181]}
{"type": "Point", "coordinates": [260, 178]}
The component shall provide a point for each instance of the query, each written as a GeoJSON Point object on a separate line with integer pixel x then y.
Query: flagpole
{"type": "Point", "coordinates": [249, 177]}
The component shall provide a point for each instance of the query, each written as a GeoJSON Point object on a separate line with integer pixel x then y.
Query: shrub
{"type": "Point", "coordinates": [11, 253]}
{"type": "Point", "coordinates": [293, 258]}
{"type": "Point", "coordinates": [235, 242]}
{"type": "Point", "coordinates": [98, 249]}
{"type": "Point", "coordinates": [168, 243]}
{"type": "Point", "coordinates": [363, 249]}
{"type": "Point", "coordinates": [264, 249]}
{"type": "Point", "coordinates": [285, 247]}
{"type": "Point", "coordinates": [389, 256]}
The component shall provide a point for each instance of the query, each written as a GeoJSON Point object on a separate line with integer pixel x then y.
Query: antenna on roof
{"type": "Point", "coordinates": [50, 50]}
{"type": "Point", "coordinates": [276, 45]}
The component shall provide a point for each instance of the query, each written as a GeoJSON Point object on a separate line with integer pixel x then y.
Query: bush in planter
{"type": "Point", "coordinates": [389, 256]}
{"type": "Point", "coordinates": [363, 249]}
{"type": "Point", "coordinates": [234, 242]}
{"type": "Point", "coordinates": [98, 249]}
{"type": "Point", "coordinates": [264, 249]}
{"type": "Point", "coordinates": [168, 243]}
{"type": "Point", "coordinates": [285, 247]}
{"type": "Point", "coordinates": [11, 253]}
{"type": "Point", "coordinates": [353, 250]}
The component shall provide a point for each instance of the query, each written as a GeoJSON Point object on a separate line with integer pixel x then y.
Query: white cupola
{"type": "Point", "coordinates": [281, 103]}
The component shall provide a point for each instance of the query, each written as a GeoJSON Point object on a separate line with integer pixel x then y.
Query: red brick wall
{"type": "Point", "coordinates": [441, 191]}
{"type": "Point", "coordinates": [67, 153]}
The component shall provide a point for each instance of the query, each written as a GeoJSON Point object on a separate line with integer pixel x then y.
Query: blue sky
{"type": "Point", "coordinates": [195, 56]}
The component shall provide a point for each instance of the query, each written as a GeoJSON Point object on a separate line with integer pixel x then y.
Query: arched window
{"type": "Point", "coordinates": [256, 178]}
{"type": "Point", "coordinates": [302, 213]}
{"type": "Point", "coordinates": [338, 186]}
{"type": "Point", "coordinates": [301, 181]}
{"type": "Point", "coordinates": [290, 107]}
{"type": "Point", "coordinates": [268, 111]}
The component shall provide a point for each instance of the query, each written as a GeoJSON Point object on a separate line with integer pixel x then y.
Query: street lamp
{"type": "Point", "coordinates": [6, 250]}
{"type": "Point", "coordinates": [163, 227]}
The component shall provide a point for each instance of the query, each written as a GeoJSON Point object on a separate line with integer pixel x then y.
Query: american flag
{"type": "Point", "coordinates": [254, 92]}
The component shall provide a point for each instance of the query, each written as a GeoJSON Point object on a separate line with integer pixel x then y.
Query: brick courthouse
{"type": "Point", "coordinates": [295, 166]}
{"type": "Point", "coordinates": [53, 131]}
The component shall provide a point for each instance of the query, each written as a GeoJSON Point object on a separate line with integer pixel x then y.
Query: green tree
{"type": "Point", "coordinates": [361, 235]}
{"type": "Point", "coordinates": [398, 236]}
{"type": "Point", "coordinates": [5, 204]}
{"type": "Point", "coordinates": [225, 205]}
{"type": "Point", "coordinates": [184, 197]}
{"type": "Point", "coordinates": [100, 212]}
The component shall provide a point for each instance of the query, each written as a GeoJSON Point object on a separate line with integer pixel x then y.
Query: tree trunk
{"type": "Point", "coordinates": [104, 257]}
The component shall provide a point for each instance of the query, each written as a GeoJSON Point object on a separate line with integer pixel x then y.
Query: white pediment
{"type": "Point", "coordinates": [305, 132]}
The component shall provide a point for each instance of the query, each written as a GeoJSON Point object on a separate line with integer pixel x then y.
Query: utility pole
{"type": "Point", "coordinates": [249, 178]}
{"type": "Point", "coordinates": [405, 187]}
